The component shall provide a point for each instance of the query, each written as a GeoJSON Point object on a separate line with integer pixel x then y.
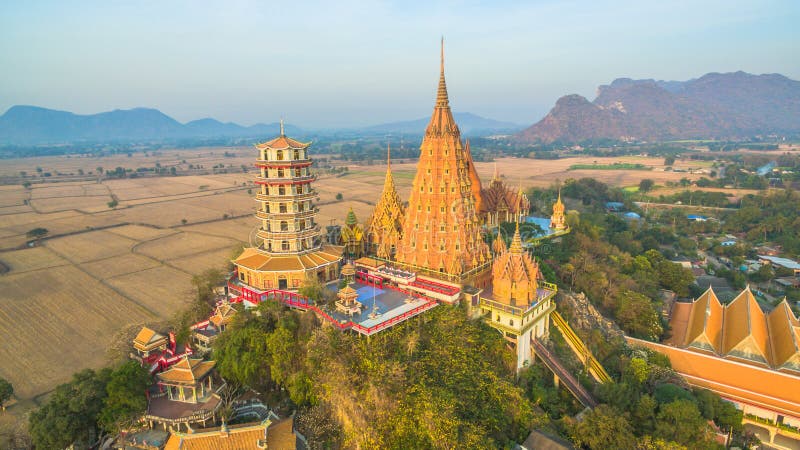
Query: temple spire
{"type": "Point", "coordinates": [441, 96]}
{"type": "Point", "coordinates": [496, 175]}
{"type": "Point", "coordinates": [389, 156]}
{"type": "Point", "coordinates": [282, 133]}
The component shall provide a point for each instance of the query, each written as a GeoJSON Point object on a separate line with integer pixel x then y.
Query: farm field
{"type": "Point", "coordinates": [102, 269]}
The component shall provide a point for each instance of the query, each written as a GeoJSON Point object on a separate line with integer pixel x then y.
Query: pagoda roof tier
{"type": "Point", "coordinates": [282, 142]}
{"type": "Point", "coordinates": [311, 232]}
{"type": "Point", "coordinates": [289, 214]}
{"type": "Point", "coordinates": [223, 314]}
{"type": "Point", "coordinates": [281, 198]}
{"type": "Point", "coordinates": [283, 164]}
{"type": "Point", "coordinates": [261, 261]}
{"type": "Point", "coordinates": [189, 371]}
{"type": "Point", "coordinates": [285, 181]}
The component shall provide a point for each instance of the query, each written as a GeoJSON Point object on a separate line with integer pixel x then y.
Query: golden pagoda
{"type": "Point", "coordinates": [518, 304]}
{"type": "Point", "coordinates": [514, 275]}
{"type": "Point", "coordinates": [441, 229]}
{"type": "Point", "coordinates": [386, 224]}
{"type": "Point", "coordinates": [501, 203]}
{"type": "Point", "coordinates": [353, 236]}
{"type": "Point", "coordinates": [558, 221]}
{"type": "Point", "coordinates": [288, 247]}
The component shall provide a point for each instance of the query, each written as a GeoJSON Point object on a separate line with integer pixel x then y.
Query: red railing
{"type": "Point", "coordinates": [434, 287]}
{"type": "Point", "coordinates": [372, 280]}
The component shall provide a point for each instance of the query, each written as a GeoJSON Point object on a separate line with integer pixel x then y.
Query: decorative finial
{"type": "Point", "coordinates": [496, 175]}
{"type": "Point", "coordinates": [441, 68]}
{"type": "Point", "coordinates": [282, 134]}
{"type": "Point", "coordinates": [389, 154]}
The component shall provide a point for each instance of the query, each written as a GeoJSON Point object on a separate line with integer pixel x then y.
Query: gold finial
{"type": "Point", "coordinates": [441, 68]}
{"type": "Point", "coordinates": [282, 134]}
{"type": "Point", "coordinates": [496, 175]}
{"type": "Point", "coordinates": [389, 154]}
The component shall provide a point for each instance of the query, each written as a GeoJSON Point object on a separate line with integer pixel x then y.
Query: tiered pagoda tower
{"type": "Point", "coordinates": [353, 236]}
{"type": "Point", "coordinates": [441, 230]}
{"type": "Point", "coordinates": [386, 224]}
{"type": "Point", "coordinates": [558, 220]}
{"type": "Point", "coordinates": [288, 244]}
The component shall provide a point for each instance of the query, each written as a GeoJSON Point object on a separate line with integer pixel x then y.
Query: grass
{"type": "Point", "coordinates": [613, 166]}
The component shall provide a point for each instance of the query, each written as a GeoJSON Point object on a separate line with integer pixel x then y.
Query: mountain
{"type": "Point", "coordinates": [468, 123]}
{"type": "Point", "coordinates": [28, 125]}
{"type": "Point", "coordinates": [716, 105]}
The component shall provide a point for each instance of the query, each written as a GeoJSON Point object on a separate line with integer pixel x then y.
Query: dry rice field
{"type": "Point", "coordinates": [103, 269]}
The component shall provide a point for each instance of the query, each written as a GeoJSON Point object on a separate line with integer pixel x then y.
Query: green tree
{"type": "Point", "coordinates": [126, 400]}
{"type": "Point", "coordinates": [70, 415]}
{"type": "Point", "coordinates": [604, 428]}
{"type": "Point", "coordinates": [680, 421]}
{"type": "Point", "coordinates": [339, 196]}
{"type": "Point", "coordinates": [669, 160]}
{"type": "Point", "coordinates": [645, 185]}
{"type": "Point", "coordinates": [6, 391]}
{"type": "Point", "coordinates": [37, 233]}
{"type": "Point", "coordinates": [112, 204]}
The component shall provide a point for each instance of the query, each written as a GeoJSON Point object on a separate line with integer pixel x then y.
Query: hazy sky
{"type": "Point", "coordinates": [350, 63]}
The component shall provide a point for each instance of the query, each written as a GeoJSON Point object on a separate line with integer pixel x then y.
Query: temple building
{"type": "Point", "coordinates": [148, 342]}
{"type": "Point", "coordinates": [353, 237]}
{"type": "Point", "coordinates": [268, 434]}
{"type": "Point", "coordinates": [749, 358]}
{"type": "Point", "coordinates": [289, 247]}
{"type": "Point", "coordinates": [500, 203]}
{"type": "Point", "coordinates": [558, 221]}
{"type": "Point", "coordinates": [205, 333]}
{"type": "Point", "coordinates": [188, 395]}
{"type": "Point", "coordinates": [739, 331]}
{"type": "Point", "coordinates": [518, 304]}
{"type": "Point", "coordinates": [441, 228]}
{"type": "Point", "coordinates": [386, 224]}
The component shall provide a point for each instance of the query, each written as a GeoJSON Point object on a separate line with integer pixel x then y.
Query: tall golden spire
{"type": "Point", "coordinates": [386, 223]}
{"type": "Point", "coordinates": [441, 229]}
{"type": "Point", "coordinates": [441, 96]}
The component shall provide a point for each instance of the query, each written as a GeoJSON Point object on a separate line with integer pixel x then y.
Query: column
{"type": "Point", "coordinates": [524, 349]}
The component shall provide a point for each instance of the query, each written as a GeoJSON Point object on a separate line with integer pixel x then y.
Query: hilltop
{"type": "Point", "coordinates": [715, 106]}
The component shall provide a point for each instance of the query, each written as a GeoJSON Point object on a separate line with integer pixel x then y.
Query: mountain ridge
{"type": "Point", "coordinates": [35, 125]}
{"type": "Point", "coordinates": [716, 105]}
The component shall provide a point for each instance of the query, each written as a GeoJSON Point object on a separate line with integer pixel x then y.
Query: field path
{"type": "Point", "coordinates": [122, 294]}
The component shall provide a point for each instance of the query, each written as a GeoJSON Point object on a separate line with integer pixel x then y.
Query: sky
{"type": "Point", "coordinates": [350, 63]}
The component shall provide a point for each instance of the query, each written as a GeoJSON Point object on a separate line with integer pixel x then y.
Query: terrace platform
{"type": "Point", "coordinates": [389, 303]}
{"type": "Point", "coordinates": [544, 224]}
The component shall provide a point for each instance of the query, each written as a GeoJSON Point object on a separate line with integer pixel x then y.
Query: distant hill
{"type": "Point", "coordinates": [468, 123]}
{"type": "Point", "coordinates": [716, 105]}
{"type": "Point", "coordinates": [27, 125]}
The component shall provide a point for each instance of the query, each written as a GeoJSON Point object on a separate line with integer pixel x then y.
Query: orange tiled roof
{"type": "Point", "coordinates": [739, 330]}
{"type": "Point", "coordinates": [775, 390]}
{"type": "Point", "coordinates": [515, 275]}
{"type": "Point", "coordinates": [148, 338]}
{"type": "Point", "coordinates": [282, 142]}
{"type": "Point", "coordinates": [499, 196]}
{"type": "Point", "coordinates": [222, 314]}
{"type": "Point", "coordinates": [280, 436]}
{"type": "Point", "coordinates": [253, 259]}
{"type": "Point", "coordinates": [187, 371]}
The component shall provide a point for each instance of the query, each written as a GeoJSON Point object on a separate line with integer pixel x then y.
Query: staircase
{"type": "Point", "coordinates": [569, 381]}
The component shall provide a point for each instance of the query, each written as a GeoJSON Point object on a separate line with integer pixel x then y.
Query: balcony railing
{"type": "Point", "coordinates": [287, 197]}
{"type": "Point", "coordinates": [287, 214]}
{"type": "Point", "coordinates": [285, 180]}
{"type": "Point", "coordinates": [293, 234]}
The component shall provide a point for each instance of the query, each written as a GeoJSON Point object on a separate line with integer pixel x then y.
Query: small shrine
{"type": "Point", "coordinates": [348, 301]}
{"type": "Point", "coordinates": [147, 342]}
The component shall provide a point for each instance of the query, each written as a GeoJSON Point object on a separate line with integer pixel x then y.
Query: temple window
{"type": "Point", "coordinates": [458, 246]}
{"type": "Point", "coordinates": [279, 155]}
{"type": "Point", "coordinates": [452, 189]}
{"type": "Point", "coordinates": [297, 172]}
{"type": "Point", "coordinates": [425, 246]}
{"type": "Point", "coordinates": [284, 225]}
{"type": "Point", "coordinates": [511, 322]}
{"type": "Point", "coordinates": [297, 154]}
{"type": "Point", "coordinates": [285, 245]}
{"type": "Point", "coordinates": [429, 208]}
{"type": "Point", "coordinates": [280, 173]}
{"type": "Point", "coordinates": [446, 171]}
{"type": "Point", "coordinates": [281, 190]}
{"type": "Point", "coordinates": [441, 189]}
{"type": "Point", "coordinates": [441, 209]}
{"type": "Point", "coordinates": [429, 171]}
{"type": "Point", "coordinates": [416, 226]}
{"type": "Point", "coordinates": [282, 207]}
{"type": "Point", "coordinates": [442, 228]}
